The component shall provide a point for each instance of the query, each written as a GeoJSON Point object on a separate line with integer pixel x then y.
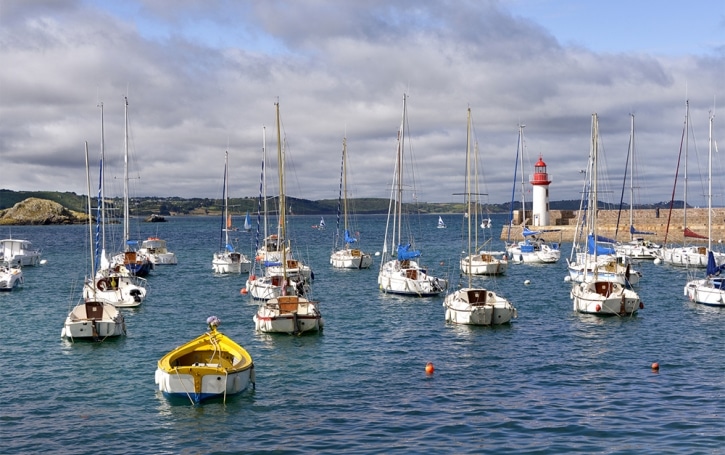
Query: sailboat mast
{"type": "Point", "coordinates": [126, 214]}
{"type": "Point", "coordinates": [344, 183]}
{"type": "Point", "coordinates": [631, 178]}
{"type": "Point", "coordinates": [593, 205]}
{"type": "Point", "coordinates": [687, 141]}
{"type": "Point", "coordinates": [523, 180]}
{"type": "Point", "coordinates": [264, 177]}
{"type": "Point", "coordinates": [282, 208]}
{"type": "Point", "coordinates": [709, 186]}
{"type": "Point", "coordinates": [225, 216]}
{"type": "Point", "coordinates": [468, 189]}
{"type": "Point", "coordinates": [401, 147]}
{"type": "Point", "coordinates": [90, 216]}
{"type": "Point", "coordinates": [102, 207]}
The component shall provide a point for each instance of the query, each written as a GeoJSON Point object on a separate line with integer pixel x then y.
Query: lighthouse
{"type": "Point", "coordinates": [540, 182]}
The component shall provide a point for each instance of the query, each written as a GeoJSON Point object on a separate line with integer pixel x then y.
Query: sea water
{"type": "Point", "coordinates": [553, 381]}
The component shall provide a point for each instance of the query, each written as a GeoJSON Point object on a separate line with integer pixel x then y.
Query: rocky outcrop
{"type": "Point", "coordinates": [40, 211]}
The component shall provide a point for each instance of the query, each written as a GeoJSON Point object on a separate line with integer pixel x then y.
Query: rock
{"type": "Point", "coordinates": [36, 211]}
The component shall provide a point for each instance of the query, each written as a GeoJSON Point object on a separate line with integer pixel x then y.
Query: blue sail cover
{"type": "Point", "coordinates": [601, 249]}
{"type": "Point", "coordinates": [633, 231]}
{"type": "Point", "coordinates": [230, 248]}
{"type": "Point", "coordinates": [527, 232]}
{"type": "Point", "coordinates": [272, 264]}
{"type": "Point", "coordinates": [404, 253]}
{"type": "Point", "coordinates": [348, 238]}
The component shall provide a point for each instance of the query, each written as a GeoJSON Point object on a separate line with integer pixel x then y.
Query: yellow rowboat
{"type": "Point", "coordinates": [211, 365]}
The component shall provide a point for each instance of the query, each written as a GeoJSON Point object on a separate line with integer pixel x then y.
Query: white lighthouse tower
{"type": "Point", "coordinates": [540, 182]}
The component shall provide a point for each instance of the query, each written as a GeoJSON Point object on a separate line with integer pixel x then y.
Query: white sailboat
{"type": "Point", "coordinates": [227, 260]}
{"type": "Point", "coordinates": [135, 262]}
{"type": "Point", "coordinates": [112, 284]}
{"type": "Point", "coordinates": [475, 305]}
{"type": "Point", "coordinates": [441, 224]}
{"type": "Point", "coordinates": [247, 223]}
{"type": "Point", "coordinates": [534, 249]}
{"type": "Point", "coordinates": [637, 247]}
{"type": "Point", "coordinates": [688, 254]}
{"type": "Point", "coordinates": [288, 312]}
{"type": "Point", "coordinates": [400, 271]}
{"type": "Point", "coordinates": [346, 257]}
{"type": "Point", "coordinates": [594, 295]}
{"type": "Point", "coordinates": [93, 318]}
{"type": "Point", "coordinates": [711, 289]}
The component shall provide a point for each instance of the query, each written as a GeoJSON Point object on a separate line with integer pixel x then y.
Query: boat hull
{"type": "Point", "coordinates": [483, 264]}
{"type": "Point", "coordinates": [478, 307]}
{"type": "Point", "coordinates": [708, 291]}
{"type": "Point", "coordinates": [211, 365]}
{"type": "Point", "coordinates": [230, 263]}
{"type": "Point", "coordinates": [604, 298]}
{"type": "Point", "coordinates": [351, 259]}
{"type": "Point", "coordinates": [407, 278]}
{"type": "Point", "coordinates": [689, 256]}
{"type": "Point", "coordinates": [93, 321]}
{"type": "Point", "coordinates": [117, 290]}
{"type": "Point", "coordinates": [10, 278]}
{"type": "Point", "coordinates": [288, 314]}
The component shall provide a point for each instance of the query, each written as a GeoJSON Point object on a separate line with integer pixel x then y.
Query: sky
{"type": "Point", "coordinates": [202, 77]}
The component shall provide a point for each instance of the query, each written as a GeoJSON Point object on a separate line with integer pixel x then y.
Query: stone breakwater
{"type": "Point", "coordinates": [647, 220]}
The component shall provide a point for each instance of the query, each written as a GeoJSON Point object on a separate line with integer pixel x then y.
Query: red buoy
{"type": "Point", "coordinates": [429, 368]}
{"type": "Point", "coordinates": [598, 308]}
{"type": "Point", "coordinates": [656, 366]}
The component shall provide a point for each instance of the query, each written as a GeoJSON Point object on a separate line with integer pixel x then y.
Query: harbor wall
{"type": "Point", "coordinates": [647, 220]}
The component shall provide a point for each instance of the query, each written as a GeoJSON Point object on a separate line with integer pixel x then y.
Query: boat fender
{"type": "Point", "coordinates": [641, 305]}
{"type": "Point", "coordinates": [252, 277]}
{"type": "Point", "coordinates": [102, 284]}
{"type": "Point", "coordinates": [598, 308]}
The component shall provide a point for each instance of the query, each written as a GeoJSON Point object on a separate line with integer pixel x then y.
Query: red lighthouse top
{"type": "Point", "coordinates": [540, 175]}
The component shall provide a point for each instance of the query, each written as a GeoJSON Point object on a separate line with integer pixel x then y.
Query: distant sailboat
{"type": "Point", "coordinates": [247, 223]}
{"type": "Point", "coordinates": [322, 223]}
{"type": "Point", "coordinates": [441, 224]}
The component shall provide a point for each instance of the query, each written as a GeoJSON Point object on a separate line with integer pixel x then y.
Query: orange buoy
{"type": "Point", "coordinates": [243, 291]}
{"type": "Point", "coordinates": [429, 368]}
{"type": "Point", "coordinates": [656, 366]}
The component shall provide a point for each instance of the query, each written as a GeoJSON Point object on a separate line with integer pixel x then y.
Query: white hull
{"type": "Point", "coordinates": [288, 314]}
{"type": "Point", "coordinates": [689, 256]}
{"type": "Point", "coordinates": [483, 264]}
{"type": "Point", "coordinates": [604, 298]}
{"type": "Point", "coordinates": [478, 307]}
{"type": "Point", "coordinates": [93, 320]}
{"type": "Point", "coordinates": [178, 385]}
{"type": "Point", "coordinates": [294, 268]}
{"type": "Point", "coordinates": [230, 263]}
{"type": "Point", "coordinates": [638, 250]}
{"type": "Point", "coordinates": [18, 253]}
{"type": "Point", "coordinates": [163, 258]}
{"type": "Point", "coordinates": [545, 255]}
{"type": "Point", "coordinates": [708, 291]}
{"type": "Point", "coordinates": [10, 278]}
{"type": "Point", "coordinates": [270, 287]}
{"type": "Point", "coordinates": [608, 268]}
{"type": "Point", "coordinates": [116, 290]}
{"type": "Point", "coordinates": [155, 249]}
{"type": "Point", "coordinates": [407, 278]}
{"type": "Point", "coordinates": [351, 259]}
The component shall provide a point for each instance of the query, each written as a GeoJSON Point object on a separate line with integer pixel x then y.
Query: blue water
{"type": "Point", "coordinates": [552, 382]}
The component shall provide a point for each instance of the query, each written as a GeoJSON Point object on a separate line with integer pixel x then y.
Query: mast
{"type": "Point", "coordinates": [225, 215]}
{"type": "Point", "coordinates": [125, 177]}
{"type": "Point", "coordinates": [593, 196]}
{"type": "Point", "coordinates": [344, 183]}
{"type": "Point", "coordinates": [399, 203]}
{"type": "Point", "coordinates": [631, 179]}
{"type": "Point", "coordinates": [282, 208]}
{"type": "Point", "coordinates": [687, 141]}
{"type": "Point", "coordinates": [90, 218]}
{"type": "Point", "coordinates": [468, 191]}
{"type": "Point", "coordinates": [709, 186]}
{"type": "Point", "coordinates": [523, 184]}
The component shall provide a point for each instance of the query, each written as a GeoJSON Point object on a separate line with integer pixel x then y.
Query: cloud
{"type": "Point", "coordinates": [203, 77]}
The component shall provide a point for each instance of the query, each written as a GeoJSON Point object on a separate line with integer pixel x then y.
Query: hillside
{"type": "Point", "coordinates": [144, 206]}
